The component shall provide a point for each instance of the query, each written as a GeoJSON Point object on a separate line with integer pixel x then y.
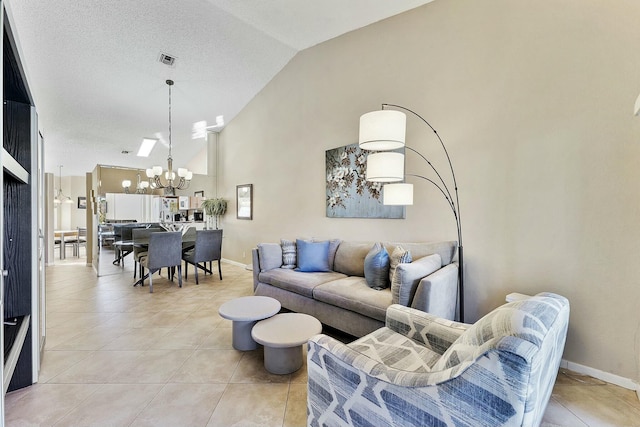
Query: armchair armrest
{"type": "Point", "coordinates": [434, 332]}
{"type": "Point", "coordinates": [437, 293]}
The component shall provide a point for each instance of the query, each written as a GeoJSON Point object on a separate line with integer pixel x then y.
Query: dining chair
{"type": "Point", "coordinates": [72, 240]}
{"type": "Point", "coordinates": [208, 248]}
{"type": "Point", "coordinates": [139, 235]}
{"type": "Point", "coordinates": [81, 240]}
{"type": "Point", "coordinates": [57, 242]}
{"type": "Point", "coordinates": [122, 244]}
{"type": "Point", "coordinates": [165, 250]}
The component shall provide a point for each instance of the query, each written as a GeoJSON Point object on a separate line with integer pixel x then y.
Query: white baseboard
{"type": "Point", "coordinates": [602, 375]}
{"type": "Point", "coordinates": [239, 264]}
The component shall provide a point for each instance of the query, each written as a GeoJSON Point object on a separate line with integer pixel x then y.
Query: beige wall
{"type": "Point", "coordinates": [534, 102]}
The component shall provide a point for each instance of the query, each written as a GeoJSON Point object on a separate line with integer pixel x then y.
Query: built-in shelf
{"type": "Point", "coordinates": [13, 168]}
{"type": "Point", "coordinates": [15, 333]}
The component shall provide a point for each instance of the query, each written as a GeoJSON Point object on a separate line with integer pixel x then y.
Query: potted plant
{"type": "Point", "coordinates": [214, 208]}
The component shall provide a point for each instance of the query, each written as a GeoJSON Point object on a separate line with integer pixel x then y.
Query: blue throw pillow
{"type": "Point", "coordinates": [312, 256]}
{"type": "Point", "coordinates": [376, 267]}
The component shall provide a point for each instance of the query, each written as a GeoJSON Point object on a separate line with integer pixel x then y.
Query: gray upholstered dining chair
{"type": "Point", "coordinates": [165, 250]}
{"type": "Point", "coordinates": [138, 235]}
{"type": "Point", "coordinates": [208, 248]}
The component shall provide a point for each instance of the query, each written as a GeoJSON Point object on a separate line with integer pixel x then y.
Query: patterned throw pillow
{"type": "Point", "coordinates": [288, 253]}
{"type": "Point", "coordinates": [398, 256]}
{"type": "Point", "coordinates": [376, 267]}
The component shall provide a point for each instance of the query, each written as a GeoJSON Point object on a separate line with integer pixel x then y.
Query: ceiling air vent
{"type": "Point", "coordinates": [167, 59]}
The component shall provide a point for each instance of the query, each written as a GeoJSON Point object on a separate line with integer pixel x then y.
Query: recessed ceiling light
{"type": "Point", "coordinates": [146, 147]}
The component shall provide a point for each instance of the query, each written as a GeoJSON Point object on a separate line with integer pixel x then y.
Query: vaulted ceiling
{"type": "Point", "coordinates": [94, 71]}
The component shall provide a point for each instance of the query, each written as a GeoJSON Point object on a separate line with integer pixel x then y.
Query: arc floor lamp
{"type": "Point", "coordinates": [384, 130]}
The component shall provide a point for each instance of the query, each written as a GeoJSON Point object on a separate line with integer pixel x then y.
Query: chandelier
{"type": "Point", "coordinates": [141, 186]}
{"type": "Point", "coordinates": [170, 183]}
{"type": "Point", "coordinates": [60, 197]}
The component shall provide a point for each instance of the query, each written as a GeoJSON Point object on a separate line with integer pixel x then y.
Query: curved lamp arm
{"type": "Point", "coordinates": [453, 175]}
{"type": "Point", "coordinates": [455, 206]}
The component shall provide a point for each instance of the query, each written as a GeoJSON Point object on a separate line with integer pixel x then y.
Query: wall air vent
{"type": "Point", "coordinates": [167, 59]}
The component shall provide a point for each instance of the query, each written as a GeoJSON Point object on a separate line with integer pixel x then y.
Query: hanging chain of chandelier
{"type": "Point", "coordinates": [170, 182]}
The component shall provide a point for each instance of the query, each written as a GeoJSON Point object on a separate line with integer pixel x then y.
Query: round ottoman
{"type": "Point", "coordinates": [282, 337]}
{"type": "Point", "coordinates": [244, 312]}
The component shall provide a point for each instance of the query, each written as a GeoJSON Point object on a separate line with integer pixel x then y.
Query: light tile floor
{"type": "Point", "coordinates": [119, 356]}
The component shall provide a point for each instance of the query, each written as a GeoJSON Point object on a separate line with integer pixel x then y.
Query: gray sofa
{"type": "Point", "coordinates": [342, 299]}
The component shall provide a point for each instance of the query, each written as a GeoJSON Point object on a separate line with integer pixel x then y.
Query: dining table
{"type": "Point", "coordinates": [62, 235]}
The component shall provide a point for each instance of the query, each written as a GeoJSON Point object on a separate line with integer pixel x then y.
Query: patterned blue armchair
{"type": "Point", "coordinates": [421, 370]}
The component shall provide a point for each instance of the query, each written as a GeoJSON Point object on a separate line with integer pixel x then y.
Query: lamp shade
{"type": "Point", "coordinates": [382, 130]}
{"type": "Point", "coordinates": [385, 167]}
{"type": "Point", "coordinates": [397, 194]}
{"type": "Point", "coordinates": [126, 183]}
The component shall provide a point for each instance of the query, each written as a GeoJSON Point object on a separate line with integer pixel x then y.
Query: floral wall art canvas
{"type": "Point", "coordinates": [349, 194]}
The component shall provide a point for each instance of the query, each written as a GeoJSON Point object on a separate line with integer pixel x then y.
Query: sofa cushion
{"type": "Point", "coordinates": [407, 277]}
{"type": "Point", "coordinates": [396, 351]}
{"type": "Point", "coordinates": [270, 256]}
{"type": "Point", "coordinates": [288, 253]}
{"type": "Point", "coordinates": [352, 293]}
{"type": "Point", "coordinates": [333, 248]}
{"type": "Point", "coordinates": [376, 267]}
{"type": "Point", "coordinates": [350, 258]}
{"type": "Point", "coordinates": [296, 281]}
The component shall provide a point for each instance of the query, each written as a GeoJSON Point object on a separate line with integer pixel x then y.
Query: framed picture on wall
{"type": "Point", "coordinates": [198, 193]}
{"type": "Point", "coordinates": [82, 203]}
{"type": "Point", "coordinates": [244, 201]}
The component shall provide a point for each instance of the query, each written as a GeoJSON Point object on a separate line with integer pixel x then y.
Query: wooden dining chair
{"type": "Point", "coordinates": [165, 250]}
{"type": "Point", "coordinates": [208, 248]}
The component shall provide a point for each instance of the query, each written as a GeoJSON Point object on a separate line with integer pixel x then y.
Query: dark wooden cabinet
{"type": "Point", "coordinates": [19, 228]}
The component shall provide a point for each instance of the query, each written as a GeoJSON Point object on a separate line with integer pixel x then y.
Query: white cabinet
{"type": "Point", "coordinates": [138, 207]}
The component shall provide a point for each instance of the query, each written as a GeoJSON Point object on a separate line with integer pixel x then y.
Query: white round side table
{"type": "Point", "coordinates": [244, 312]}
{"type": "Point", "coordinates": [282, 337]}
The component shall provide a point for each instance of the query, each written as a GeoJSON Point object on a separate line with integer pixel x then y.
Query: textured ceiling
{"type": "Point", "coordinates": [99, 88]}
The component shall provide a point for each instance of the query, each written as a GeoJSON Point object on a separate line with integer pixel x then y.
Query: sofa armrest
{"type": "Point", "coordinates": [255, 258]}
{"type": "Point", "coordinates": [437, 293]}
{"type": "Point", "coordinates": [434, 332]}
